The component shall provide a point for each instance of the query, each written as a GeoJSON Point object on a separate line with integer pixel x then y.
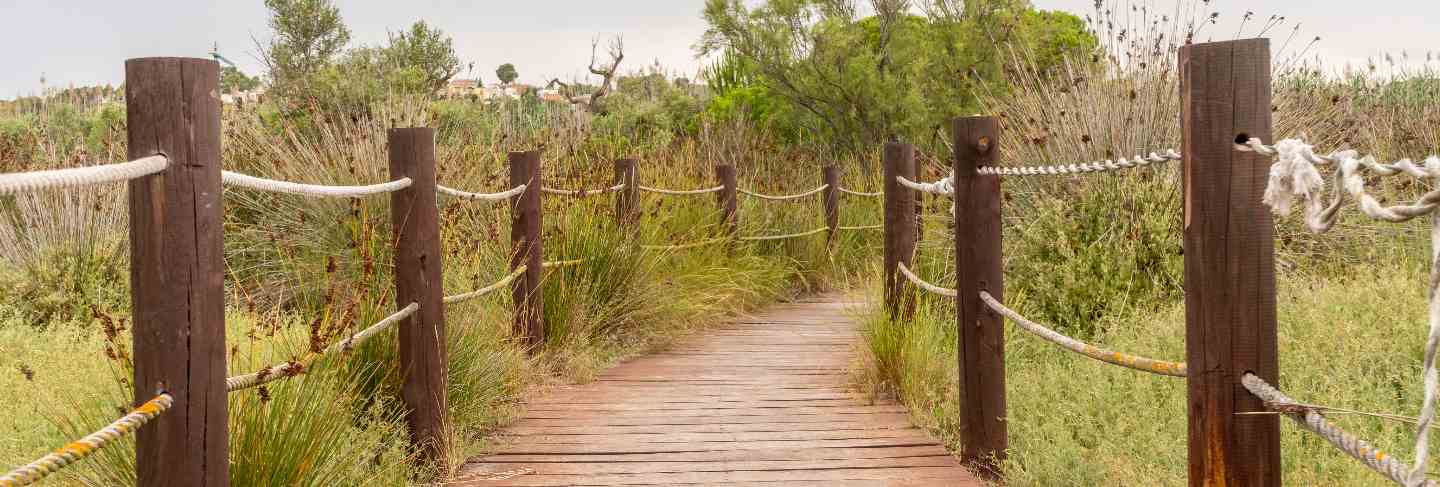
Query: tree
{"type": "Point", "coordinates": [233, 80]}
{"type": "Point", "coordinates": [857, 81]}
{"type": "Point", "coordinates": [424, 49]}
{"type": "Point", "coordinates": [592, 101]}
{"type": "Point", "coordinates": [507, 73]}
{"type": "Point", "coordinates": [309, 34]}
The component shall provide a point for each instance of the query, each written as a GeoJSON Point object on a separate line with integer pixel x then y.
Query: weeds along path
{"type": "Point", "coordinates": [760, 399]}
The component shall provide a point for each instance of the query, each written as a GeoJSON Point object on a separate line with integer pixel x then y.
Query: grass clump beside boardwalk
{"type": "Point", "coordinates": [1076, 421]}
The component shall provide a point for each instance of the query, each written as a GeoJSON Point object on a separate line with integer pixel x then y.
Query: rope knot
{"type": "Point", "coordinates": [1293, 175]}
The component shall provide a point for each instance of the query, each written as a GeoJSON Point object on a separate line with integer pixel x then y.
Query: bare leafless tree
{"type": "Point", "coordinates": [606, 72]}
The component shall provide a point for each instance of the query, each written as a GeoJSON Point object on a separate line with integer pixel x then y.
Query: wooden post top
{"type": "Point", "coordinates": [976, 140]}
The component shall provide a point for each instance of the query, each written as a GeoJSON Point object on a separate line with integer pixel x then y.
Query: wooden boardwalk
{"type": "Point", "coordinates": [761, 401]}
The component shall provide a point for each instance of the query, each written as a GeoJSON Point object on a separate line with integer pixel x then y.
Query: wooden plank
{"type": "Point", "coordinates": [419, 275]}
{"type": "Point", "coordinates": [774, 454]}
{"type": "Point", "coordinates": [979, 267]}
{"type": "Point", "coordinates": [527, 248]}
{"type": "Point", "coordinates": [827, 475]}
{"type": "Point", "coordinates": [177, 271]}
{"type": "Point", "coordinates": [735, 412]}
{"type": "Point", "coordinates": [664, 437]}
{"type": "Point", "coordinates": [856, 424]}
{"type": "Point", "coordinates": [713, 419]}
{"type": "Point", "coordinates": [707, 446]}
{"type": "Point", "coordinates": [898, 161]}
{"type": "Point", "coordinates": [711, 466]}
{"type": "Point", "coordinates": [1229, 263]}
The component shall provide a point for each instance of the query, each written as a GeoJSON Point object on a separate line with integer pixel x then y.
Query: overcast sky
{"type": "Point", "coordinates": [83, 42]}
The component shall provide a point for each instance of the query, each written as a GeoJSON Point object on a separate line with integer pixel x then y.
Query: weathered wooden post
{"type": "Point", "coordinates": [419, 279]}
{"type": "Point", "coordinates": [177, 271]}
{"type": "Point", "coordinates": [1229, 263]}
{"type": "Point", "coordinates": [898, 160]}
{"type": "Point", "coordinates": [830, 177]}
{"type": "Point", "coordinates": [727, 198]}
{"type": "Point", "coordinates": [527, 249]}
{"type": "Point", "coordinates": [627, 200]}
{"type": "Point", "coordinates": [920, 197]}
{"type": "Point", "coordinates": [978, 267]}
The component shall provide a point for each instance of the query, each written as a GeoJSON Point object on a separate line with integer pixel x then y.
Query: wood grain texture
{"type": "Point", "coordinates": [727, 198]}
{"type": "Point", "coordinates": [1229, 263]}
{"type": "Point", "coordinates": [177, 270]}
{"type": "Point", "coordinates": [898, 160]}
{"type": "Point", "coordinates": [760, 401]}
{"type": "Point", "coordinates": [830, 176]}
{"type": "Point", "coordinates": [979, 267]}
{"type": "Point", "coordinates": [527, 248]}
{"type": "Point", "coordinates": [627, 200]}
{"type": "Point", "coordinates": [419, 274]}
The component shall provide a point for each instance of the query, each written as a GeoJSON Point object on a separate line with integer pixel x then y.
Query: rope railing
{"type": "Point", "coordinates": [293, 368]}
{"type": "Point", "coordinates": [681, 192]}
{"type": "Point", "coordinates": [79, 449]}
{"type": "Point", "coordinates": [480, 196]}
{"type": "Point", "coordinates": [852, 192]}
{"type": "Point", "coordinates": [786, 236]}
{"type": "Point", "coordinates": [1311, 420]}
{"type": "Point", "coordinates": [231, 178]}
{"type": "Point", "coordinates": [81, 176]}
{"type": "Point", "coordinates": [943, 187]}
{"type": "Point", "coordinates": [562, 263]}
{"type": "Point", "coordinates": [463, 297]}
{"type": "Point", "coordinates": [1144, 364]}
{"type": "Point", "coordinates": [582, 192]}
{"type": "Point", "coordinates": [1293, 176]}
{"type": "Point", "coordinates": [1083, 168]}
{"type": "Point", "coordinates": [784, 197]}
{"type": "Point", "coordinates": [861, 227]}
{"type": "Point", "coordinates": [702, 243]}
{"type": "Point", "coordinates": [922, 284]}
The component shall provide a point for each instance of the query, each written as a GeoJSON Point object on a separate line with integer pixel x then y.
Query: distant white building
{"type": "Point", "coordinates": [463, 87]}
{"type": "Point", "coordinates": [246, 96]}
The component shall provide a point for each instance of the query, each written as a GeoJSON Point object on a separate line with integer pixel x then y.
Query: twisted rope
{"type": "Point", "coordinates": [79, 449]}
{"type": "Point", "coordinates": [1089, 167]}
{"type": "Point", "coordinates": [563, 263]}
{"type": "Point", "coordinates": [583, 192]}
{"type": "Point", "coordinates": [785, 197]}
{"type": "Point", "coordinates": [1293, 176]}
{"type": "Point", "coordinates": [681, 191]}
{"type": "Point", "coordinates": [943, 291]}
{"type": "Point", "coordinates": [1310, 419]}
{"type": "Point", "coordinates": [460, 298]}
{"type": "Point", "coordinates": [781, 237]}
{"type": "Point", "coordinates": [861, 227]}
{"type": "Point", "coordinates": [1160, 367]}
{"type": "Point", "coordinates": [481, 196]}
{"type": "Point", "coordinates": [943, 187]}
{"type": "Point", "coordinates": [81, 176]}
{"type": "Point", "coordinates": [859, 193]}
{"type": "Point", "coordinates": [691, 245]}
{"type": "Point", "coordinates": [315, 190]}
{"type": "Point", "coordinates": [292, 368]}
